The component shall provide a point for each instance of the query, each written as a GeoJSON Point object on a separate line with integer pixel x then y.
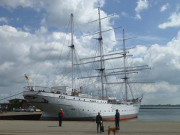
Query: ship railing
{"type": "Point", "coordinates": [131, 101]}
{"type": "Point", "coordinates": [37, 88]}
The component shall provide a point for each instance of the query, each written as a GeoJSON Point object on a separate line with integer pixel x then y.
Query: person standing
{"type": "Point", "coordinates": [117, 118]}
{"type": "Point", "coordinates": [98, 121]}
{"type": "Point", "coordinates": [60, 116]}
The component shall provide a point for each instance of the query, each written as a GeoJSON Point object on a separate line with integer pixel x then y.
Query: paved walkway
{"type": "Point", "coordinates": [14, 127]}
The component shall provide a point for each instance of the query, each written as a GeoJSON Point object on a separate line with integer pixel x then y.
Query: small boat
{"type": "Point", "coordinates": [20, 115]}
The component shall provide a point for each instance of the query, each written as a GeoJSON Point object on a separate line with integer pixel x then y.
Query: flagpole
{"type": "Point", "coordinates": [27, 79]}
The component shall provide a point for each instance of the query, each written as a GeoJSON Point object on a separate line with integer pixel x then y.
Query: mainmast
{"type": "Point", "coordinates": [101, 55]}
{"type": "Point", "coordinates": [125, 69]}
{"type": "Point", "coordinates": [72, 48]}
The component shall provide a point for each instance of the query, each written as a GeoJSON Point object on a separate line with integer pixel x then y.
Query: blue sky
{"type": "Point", "coordinates": [151, 18]}
{"type": "Point", "coordinates": [29, 29]}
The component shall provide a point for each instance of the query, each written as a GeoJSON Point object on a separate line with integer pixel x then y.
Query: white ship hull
{"type": "Point", "coordinates": [78, 108]}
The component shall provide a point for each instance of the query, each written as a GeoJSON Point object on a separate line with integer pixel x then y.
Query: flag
{"type": "Point", "coordinates": [26, 78]}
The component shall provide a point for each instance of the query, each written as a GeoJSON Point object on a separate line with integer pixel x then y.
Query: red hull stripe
{"type": "Point", "coordinates": [121, 118]}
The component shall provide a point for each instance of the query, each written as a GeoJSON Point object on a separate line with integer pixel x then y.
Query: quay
{"type": "Point", "coordinates": [41, 127]}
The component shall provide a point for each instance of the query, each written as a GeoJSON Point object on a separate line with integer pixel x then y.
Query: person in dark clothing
{"type": "Point", "coordinates": [117, 118]}
{"type": "Point", "coordinates": [60, 116]}
{"type": "Point", "coordinates": [98, 121]}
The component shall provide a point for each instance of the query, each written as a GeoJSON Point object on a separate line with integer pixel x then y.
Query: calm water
{"type": "Point", "coordinates": [158, 115]}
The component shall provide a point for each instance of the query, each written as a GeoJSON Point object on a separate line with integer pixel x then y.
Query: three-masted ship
{"type": "Point", "coordinates": [78, 105]}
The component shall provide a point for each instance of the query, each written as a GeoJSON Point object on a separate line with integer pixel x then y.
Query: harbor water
{"type": "Point", "coordinates": [159, 114]}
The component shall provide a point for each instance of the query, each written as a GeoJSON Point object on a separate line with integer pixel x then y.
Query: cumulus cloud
{"type": "Point", "coordinates": [164, 61]}
{"type": "Point", "coordinates": [164, 7]}
{"type": "Point", "coordinates": [141, 5]}
{"type": "Point", "coordinates": [161, 86]}
{"type": "Point", "coordinates": [58, 11]}
{"type": "Point", "coordinates": [84, 11]}
{"type": "Point", "coordinates": [124, 14]}
{"type": "Point", "coordinates": [37, 54]}
{"type": "Point", "coordinates": [41, 55]}
{"type": "Point", "coordinates": [3, 20]}
{"type": "Point", "coordinates": [174, 21]}
{"type": "Point", "coordinates": [2, 95]}
{"type": "Point", "coordinates": [22, 3]}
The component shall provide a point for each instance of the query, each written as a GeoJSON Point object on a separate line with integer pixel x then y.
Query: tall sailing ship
{"type": "Point", "coordinates": [79, 105]}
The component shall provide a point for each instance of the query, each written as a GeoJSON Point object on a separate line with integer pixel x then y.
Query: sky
{"type": "Point", "coordinates": [33, 38]}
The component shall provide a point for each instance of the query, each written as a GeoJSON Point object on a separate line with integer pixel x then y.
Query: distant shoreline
{"type": "Point", "coordinates": [160, 107]}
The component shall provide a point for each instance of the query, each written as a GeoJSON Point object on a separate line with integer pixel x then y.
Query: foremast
{"type": "Point", "coordinates": [102, 67]}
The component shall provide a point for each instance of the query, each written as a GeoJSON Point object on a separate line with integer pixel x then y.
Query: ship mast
{"type": "Point", "coordinates": [120, 71]}
{"type": "Point", "coordinates": [101, 55]}
{"type": "Point", "coordinates": [125, 69]}
{"type": "Point", "coordinates": [101, 58]}
{"type": "Point", "coordinates": [72, 49]}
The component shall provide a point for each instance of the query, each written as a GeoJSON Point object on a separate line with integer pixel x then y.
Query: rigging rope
{"type": "Point", "coordinates": [11, 96]}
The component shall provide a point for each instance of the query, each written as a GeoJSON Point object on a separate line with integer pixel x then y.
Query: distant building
{"type": "Point", "coordinates": [16, 100]}
{"type": "Point", "coordinates": [4, 106]}
{"type": "Point", "coordinates": [23, 102]}
{"type": "Point", "coordinates": [14, 104]}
